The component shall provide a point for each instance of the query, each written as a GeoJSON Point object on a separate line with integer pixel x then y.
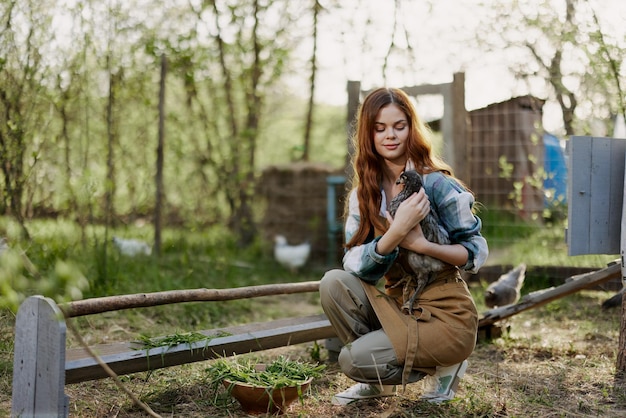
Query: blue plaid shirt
{"type": "Point", "coordinates": [453, 205]}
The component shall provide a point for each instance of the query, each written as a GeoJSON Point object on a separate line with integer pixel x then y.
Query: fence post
{"type": "Point", "coordinates": [621, 349]}
{"type": "Point", "coordinates": [39, 360]}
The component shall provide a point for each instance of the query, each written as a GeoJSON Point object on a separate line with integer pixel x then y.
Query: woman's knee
{"type": "Point", "coordinates": [370, 357]}
{"type": "Point", "coordinates": [349, 363]}
{"type": "Point", "coordinates": [333, 283]}
{"type": "Point", "coordinates": [328, 284]}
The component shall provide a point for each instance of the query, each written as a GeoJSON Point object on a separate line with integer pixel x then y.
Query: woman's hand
{"type": "Point", "coordinates": [410, 213]}
{"type": "Point", "coordinates": [415, 240]}
{"type": "Point", "coordinates": [408, 216]}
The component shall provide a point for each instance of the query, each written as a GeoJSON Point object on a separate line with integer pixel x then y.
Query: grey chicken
{"type": "Point", "coordinates": [614, 301]}
{"type": "Point", "coordinates": [424, 267]}
{"type": "Point", "coordinates": [506, 290]}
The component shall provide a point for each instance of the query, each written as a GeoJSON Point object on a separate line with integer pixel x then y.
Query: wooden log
{"type": "Point", "coordinates": [142, 300]}
{"type": "Point", "coordinates": [542, 297]}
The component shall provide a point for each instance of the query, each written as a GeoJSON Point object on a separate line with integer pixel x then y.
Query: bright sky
{"type": "Point", "coordinates": [441, 42]}
{"type": "Point", "coordinates": [442, 35]}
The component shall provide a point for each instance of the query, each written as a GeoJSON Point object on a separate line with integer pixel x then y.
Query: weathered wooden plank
{"type": "Point", "coordinates": [579, 204]}
{"type": "Point", "coordinates": [24, 361]}
{"type": "Point", "coordinates": [623, 235]}
{"type": "Point", "coordinates": [78, 353]}
{"type": "Point", "coordinates": [39, 360]}
{"type": "Point", "coordinates": [596, 184]}
{"type": "Point", "coordinates": [124, 359]}
{"type": "Point", "coordinates": [600, 191]}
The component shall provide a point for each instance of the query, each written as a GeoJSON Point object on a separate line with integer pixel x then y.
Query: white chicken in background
{"type": "Point", "coordinates": [4, 245]}
{"type": "Point", "coordinates": [132, 247]}
{"type": "Point", "coordinates": [291, 256]}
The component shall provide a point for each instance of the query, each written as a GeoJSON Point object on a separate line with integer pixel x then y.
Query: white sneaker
{"type": "Point", "coordinates": [362, 391]}
{"type": "Point", "coordinates": [442, 386]}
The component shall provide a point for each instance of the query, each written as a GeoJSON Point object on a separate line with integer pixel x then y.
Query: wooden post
{"type": "Point", "coordinates": [621, 348]}
{"type": "Point", "coordinates": [453, 122]}
{"type": "Point", "coordinates": [354, 98]}
{"type": "Point", "coordinates": [459, 127]}
{"type": "Point", "coordinates": [160, 193]}
{"type": "Point", "coordinates": [39, 360]}
{"type": "Point", "coordinates": [142, 300]}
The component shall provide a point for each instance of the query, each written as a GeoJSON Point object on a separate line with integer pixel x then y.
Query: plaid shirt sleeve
{"type": "Point", "coordinates": [453, 205]}
{"type": "Point", "coordinates": [362, 260]}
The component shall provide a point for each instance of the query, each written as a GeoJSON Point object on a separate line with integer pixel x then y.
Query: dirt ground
{"type": "Point", "coordinates": [558, 360]}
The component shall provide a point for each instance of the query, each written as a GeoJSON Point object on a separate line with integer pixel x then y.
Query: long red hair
{"type": "Point", "coordinates": [367, 163]}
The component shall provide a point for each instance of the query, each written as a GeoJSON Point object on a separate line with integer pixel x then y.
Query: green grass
{"type": "Point", "coordinates": [190, 259]}
{"type": "Point", "coordinates": [537, 244]}
{"type": "Point", "coordinates": [172, 340]}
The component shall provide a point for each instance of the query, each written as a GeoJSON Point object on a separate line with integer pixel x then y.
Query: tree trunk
{"type": "Point", "coordinates": [109, 188]}
{"type": "Point", "coordinates": [309, 117]}
{"type": "Point", "coordinates": [620, 369]}
{"type": "Point", "coordinates": [159, 161]}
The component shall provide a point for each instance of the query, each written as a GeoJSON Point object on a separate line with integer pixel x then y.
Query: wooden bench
{"type": "Point", "coordinates": [43, 365]}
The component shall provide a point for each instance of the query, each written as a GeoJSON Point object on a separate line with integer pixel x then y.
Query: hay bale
{"type": "Point", "coordinates": [295, 197]}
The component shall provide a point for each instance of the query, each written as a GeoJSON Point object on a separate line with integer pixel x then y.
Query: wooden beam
{"type": "Point", "coordinates": [620, 364]}
{"type": "Point", "coordinates": [542, 297]}
{"type": "Point", "coordinates": [125, 358]}
{"type": "Point", "coordinates": [142, 300]}
{"type": "Point", "coordinates": [354, 99]}
{"type": "Point", "coordinates": [459, 128]}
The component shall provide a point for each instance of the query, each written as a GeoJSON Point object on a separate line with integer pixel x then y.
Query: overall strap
{"type": "Point", "coordinates": [401, 330]}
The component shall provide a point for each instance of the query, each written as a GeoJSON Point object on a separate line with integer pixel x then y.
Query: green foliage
{"type": "Point", "coordinates": [18, 279]}
{"type": "Point", "coordinates": [281, 138]}
{"type": "Point", "coordinates": [503, 227]}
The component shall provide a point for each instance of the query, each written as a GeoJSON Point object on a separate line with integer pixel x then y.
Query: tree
{"type": "Point", "coordinates": [557, 43]}
{"type": "Point", "coordinates": [227, 77]}
{"type": "Point", "coordinates": [317, 7]}
{"type": "Point", "coordinates": [23, 73]}
{"type": "Point", "coordinates": [96, 88]}
{"type": "Point", "coordinates": [160, 192]}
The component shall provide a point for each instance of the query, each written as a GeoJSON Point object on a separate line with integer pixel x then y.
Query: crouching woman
{"type": "Point", "coordinates": [384, 347]}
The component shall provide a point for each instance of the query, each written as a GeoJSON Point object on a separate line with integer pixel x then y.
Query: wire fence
{"type": "Point", "coordinates": [517, 171]}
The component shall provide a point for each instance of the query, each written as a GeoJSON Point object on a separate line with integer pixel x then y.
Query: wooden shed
{"type": "Point", "coordinates": [505, 156]}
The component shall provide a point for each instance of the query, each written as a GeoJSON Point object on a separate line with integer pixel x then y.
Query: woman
{"type": "Point", "coordinates": [383, 347]}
